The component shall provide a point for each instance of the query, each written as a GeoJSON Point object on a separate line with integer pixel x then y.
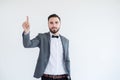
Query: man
{"type": "Point", "coordinates": [53, 61]}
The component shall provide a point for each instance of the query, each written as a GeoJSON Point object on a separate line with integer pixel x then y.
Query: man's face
{"type": "Point", "coordinates": [54, 24]}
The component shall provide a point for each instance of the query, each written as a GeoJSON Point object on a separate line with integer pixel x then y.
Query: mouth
{"type": "Point", "coordinates": [54, 28]}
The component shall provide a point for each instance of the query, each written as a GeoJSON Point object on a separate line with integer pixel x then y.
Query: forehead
{"type": "Point", "coordinates": [54, 19]}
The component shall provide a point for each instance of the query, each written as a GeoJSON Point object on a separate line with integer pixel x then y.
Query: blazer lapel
{"type": "Point", "coordinates": [63, 44]}
{"type": "Point", "coordinates": [48, 39]}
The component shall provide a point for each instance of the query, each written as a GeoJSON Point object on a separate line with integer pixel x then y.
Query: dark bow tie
{"type": "Point", "coordinates": [53, 36]}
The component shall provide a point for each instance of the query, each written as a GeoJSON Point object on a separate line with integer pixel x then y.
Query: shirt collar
{"type": "Point", "coordinates": [53, 34]}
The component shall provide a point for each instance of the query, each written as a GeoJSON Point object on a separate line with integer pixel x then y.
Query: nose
{"type": "Point", "coordinates": [54, 25]}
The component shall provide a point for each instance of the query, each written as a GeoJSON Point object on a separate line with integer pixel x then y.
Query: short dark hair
{"type": "Point", "coordinates": [53, 15]}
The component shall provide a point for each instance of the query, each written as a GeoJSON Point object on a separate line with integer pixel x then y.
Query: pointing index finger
{"type": "Point", "coordinates": [27, 19]}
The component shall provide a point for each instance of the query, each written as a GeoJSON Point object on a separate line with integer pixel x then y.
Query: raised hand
{"type": "Point", "coordinates": [26, 25]}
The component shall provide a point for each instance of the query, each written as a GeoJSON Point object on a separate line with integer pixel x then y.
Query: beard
{"type": "Point", "coordinates": [54, 30]}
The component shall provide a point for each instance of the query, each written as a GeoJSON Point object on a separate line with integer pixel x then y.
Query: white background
{"type": "Point", "coordinates": [92, 26]}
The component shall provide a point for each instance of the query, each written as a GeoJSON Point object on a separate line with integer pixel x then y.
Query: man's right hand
{"type": "Point", "coordinates": [26, 25]}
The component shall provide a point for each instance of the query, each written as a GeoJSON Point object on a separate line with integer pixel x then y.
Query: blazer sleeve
{"type": "Point", "coordinates": [68, 60]}
{"type": "Point", "coordinates": [27, 43]}
{"type": "Point", "coordinates": [68, 57]}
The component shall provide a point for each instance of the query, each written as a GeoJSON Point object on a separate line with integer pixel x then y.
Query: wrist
{"type": "Point", "coordinates": [26, 32]}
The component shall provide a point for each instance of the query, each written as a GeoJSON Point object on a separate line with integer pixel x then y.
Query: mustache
{"type": "Point", "coordinates": [53, 28]}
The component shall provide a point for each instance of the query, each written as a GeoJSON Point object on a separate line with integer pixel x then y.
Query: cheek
{"type": "Point", "coordinates": [59, 26]}
{"type": "Point", "coordinates": [49, 25]}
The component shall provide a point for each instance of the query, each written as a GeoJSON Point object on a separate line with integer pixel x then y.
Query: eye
{"type": "Point", "coordinates": [56, 22]}
{"type": "Point", "coordinates": [51, 22]}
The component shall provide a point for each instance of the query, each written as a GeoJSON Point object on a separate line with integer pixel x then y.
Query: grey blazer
{"type": "Point", "coordinates": [42, 41]}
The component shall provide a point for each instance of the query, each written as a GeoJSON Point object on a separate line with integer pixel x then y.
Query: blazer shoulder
{"type": "Point", "coordinates": [43, 34]}
{"type": "Point", "coordinates": [65, 38]}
